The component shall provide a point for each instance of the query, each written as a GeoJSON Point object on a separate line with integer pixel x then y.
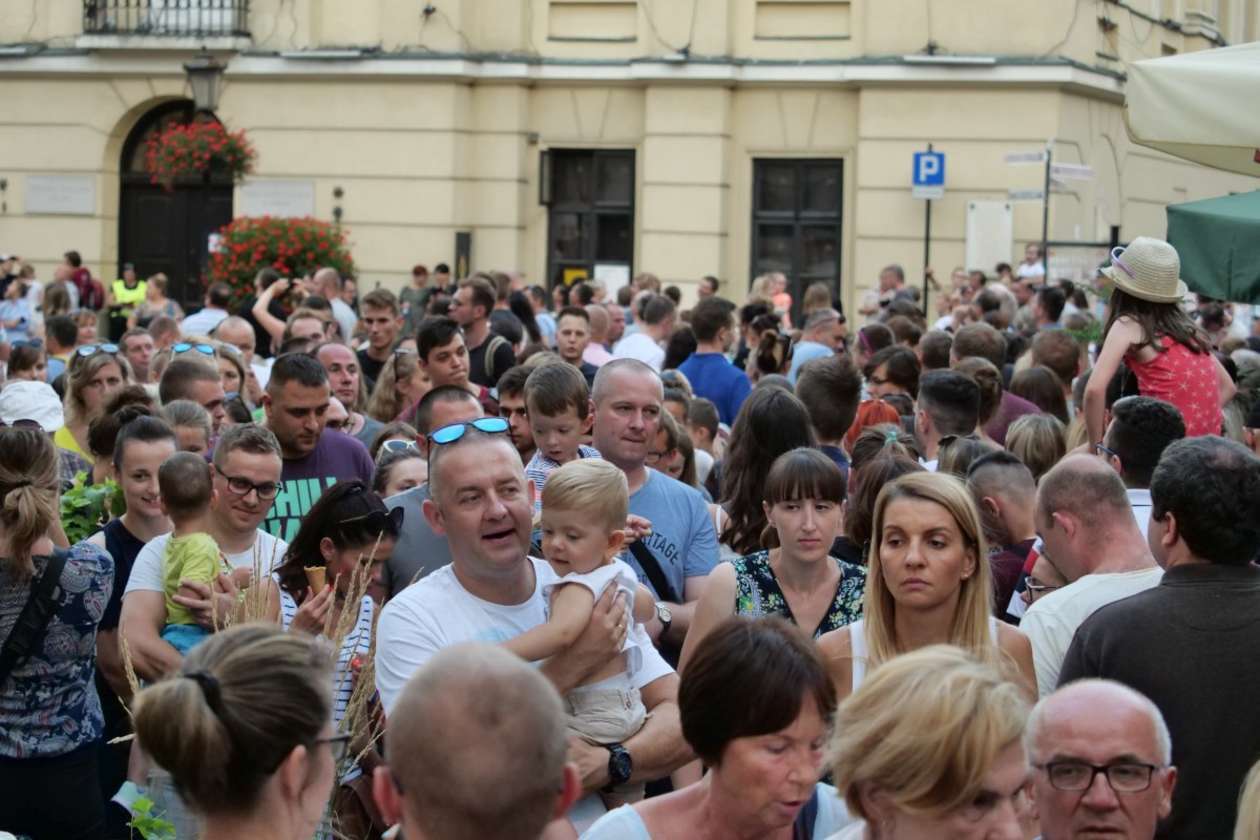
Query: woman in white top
{"type": "Point", "coordinates": [340, 534]}
{"type": "Point", "coordinates": [928, 583]}
{"type": "Point", "coordinates": [754, 705]}
{"type": "Point", "coordinates": [931, 747]}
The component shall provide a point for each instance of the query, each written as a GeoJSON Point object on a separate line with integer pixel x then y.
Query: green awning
{"type": "Point", "coordinates": [1219, 243]}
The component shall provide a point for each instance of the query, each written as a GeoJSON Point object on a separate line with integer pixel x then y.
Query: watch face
{"type": "Point", "coordinates": [663, 613]}
{"type": "Point", "coordinates": [619, 766]}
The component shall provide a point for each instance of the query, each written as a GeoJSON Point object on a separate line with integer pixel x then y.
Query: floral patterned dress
{"type": "Point", "coordinates": [49, 705]}
{"type": "Point", "coordinates": [757, 593]}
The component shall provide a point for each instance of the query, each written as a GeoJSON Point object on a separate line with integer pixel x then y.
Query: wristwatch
{"type": "Point", "coordinates": [619, 765]}
{"type": "Point", "coordinates": [664, 616]}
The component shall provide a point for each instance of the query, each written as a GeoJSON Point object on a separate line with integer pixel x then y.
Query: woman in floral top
{"type": "Point", "coordinates": [795, 579]}
{"type": "Point", "coordinates": [50, 714]}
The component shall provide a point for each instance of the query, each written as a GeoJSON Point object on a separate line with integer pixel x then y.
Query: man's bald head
{"type": "Point", "coordinates": [1084, 486]}
{"type": "Point", "coordinates": [477, 744]}
{"type": "Point", "coordinates": [1100, 723]}
{"type": "Point", "coordinates": [612, 372]}
{"type": "Point", "coordinates": [599, 322]}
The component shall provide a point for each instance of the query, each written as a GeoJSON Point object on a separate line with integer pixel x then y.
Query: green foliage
{"type": "Point", "coordinates": [86, 507]}
{"type": "Point", "coordinates": [148, 825]}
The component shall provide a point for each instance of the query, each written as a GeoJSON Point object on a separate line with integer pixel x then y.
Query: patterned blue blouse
{"type": "Point", "coordinates": [49, 705]}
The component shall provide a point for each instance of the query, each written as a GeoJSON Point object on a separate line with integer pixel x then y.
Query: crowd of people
{"type": "Point", "coordinates": [483, 560]}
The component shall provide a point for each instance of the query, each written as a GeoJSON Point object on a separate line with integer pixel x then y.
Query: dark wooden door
{"type": "Point", "coordinates": [163, 230]}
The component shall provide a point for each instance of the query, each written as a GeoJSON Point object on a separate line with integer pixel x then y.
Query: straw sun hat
{"type": "Point", "coordinates": [1148, 269]}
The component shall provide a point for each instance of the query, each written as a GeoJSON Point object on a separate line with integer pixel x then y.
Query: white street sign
{"type": "Point", "coordinates": [1071, 172]}
{"type": "Point", "coordinates": [1026, 195]}
{"type": "Point", "coordinates": [928, 192]}
{"type": "Point", "coordinates": [1026, 157]}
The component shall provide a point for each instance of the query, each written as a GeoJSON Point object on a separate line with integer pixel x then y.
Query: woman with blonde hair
{"type": "Point", "coordinates": [928, 582]}
{"type": "Point", "coordinates": [1039, 440]}
{"type": "Point", "coordinates": [94, 373]}
{"type": "Point", "coordinates": [932, 746]}
{"type": "Point", "coordinates": [399, 388]}
{"type": "Point", "coordinates": [50, 713]}
{"type": "Point", "coordinates": [245, 730]}
{"type": "Point", "coordinates": [1247, 826]}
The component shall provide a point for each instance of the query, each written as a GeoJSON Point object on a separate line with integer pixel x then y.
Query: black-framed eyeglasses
{"type": "Point", "coordinates": [1105, 452]}
{"type": "Point", "coordinates": [1036, 587]}
{"type": "Point", "coordinates": [338, 744]}
{"type": "Point", "coordinates": [240, 486]}
{"type": "Point", "coordinates": [455, 431]}
{"type": "Point", "coordinates": [88, 350]}
{"type": "Point", "coordinates": [187, 347]}
{"type": "Point", "coordinates": [1123, 776]}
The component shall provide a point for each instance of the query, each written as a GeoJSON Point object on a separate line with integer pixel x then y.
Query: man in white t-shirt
{"type": "Point", "coordinates": [1140, 429]}
{"type": "Point", "coordinates": [247, 467]}
{"type": "Point", "coordinates": [1092, 539]}
{"type": "Point", "coordinates": [492, 591]}
{"type": "Point", "coordinates": [655, 322]}
{"type": "Point", "coordinates": [1031, 267]}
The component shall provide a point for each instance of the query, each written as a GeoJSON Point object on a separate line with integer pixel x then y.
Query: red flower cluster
{"type": "Point", "coordinates": [293, 247]}
{"type": "Point", "coordinates": [184, 151]}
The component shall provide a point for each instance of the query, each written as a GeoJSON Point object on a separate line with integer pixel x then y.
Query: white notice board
{"type": "Point", "coordinates": [62, 195]}
{"type": "Point", "coordinates": [989, 234]}
{"type": "Point", "coordinates": [285, 199]}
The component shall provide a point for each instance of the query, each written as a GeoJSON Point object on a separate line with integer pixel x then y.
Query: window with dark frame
{"type": "Point", "coordinates": [797, 207]}
{"type": "Point", "coordinates": [590, 215]}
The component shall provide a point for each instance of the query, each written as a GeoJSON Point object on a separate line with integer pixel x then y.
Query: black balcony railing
{"type": "Point", "coordinates": [167, 18]}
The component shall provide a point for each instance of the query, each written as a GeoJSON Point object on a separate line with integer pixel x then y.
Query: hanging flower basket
{"type": "Point", "coordinates": [292, 246]}
{"type": "Point", "coordinates": [195, 150]}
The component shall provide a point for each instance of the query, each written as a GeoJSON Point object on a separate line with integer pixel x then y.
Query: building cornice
{"type": "Point", "coordinates": [917, 71]}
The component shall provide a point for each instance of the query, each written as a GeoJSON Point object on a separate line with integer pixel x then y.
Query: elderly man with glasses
{"type": "Point", "coordinates": [1103, 760]}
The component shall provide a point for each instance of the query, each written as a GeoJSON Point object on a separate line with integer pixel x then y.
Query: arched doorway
{"type": "Point", "coordinates": [168, 231]}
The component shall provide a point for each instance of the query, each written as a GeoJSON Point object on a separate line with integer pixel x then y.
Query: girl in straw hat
{"type": "Point", "coordinates": [1149, 331]}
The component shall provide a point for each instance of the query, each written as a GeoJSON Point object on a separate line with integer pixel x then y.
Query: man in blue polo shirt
{"type": "Point", "coordinates": [710, 374]}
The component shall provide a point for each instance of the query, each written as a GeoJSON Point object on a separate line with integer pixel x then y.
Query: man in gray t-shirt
{"type": "Point", "coordinates": [418, 550]}
{"type": "Point", "coordinates": [628, 404]}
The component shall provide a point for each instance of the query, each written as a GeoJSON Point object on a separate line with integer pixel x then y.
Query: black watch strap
{"type": "Point", "coordinates": [620, 765]}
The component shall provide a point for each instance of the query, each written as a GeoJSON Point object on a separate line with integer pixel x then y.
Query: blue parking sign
{"type": "Point", "coordinates": [929, 169]}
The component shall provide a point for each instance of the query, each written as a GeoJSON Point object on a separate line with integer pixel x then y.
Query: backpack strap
{"type": "Point", "coordinates": [32, 624]}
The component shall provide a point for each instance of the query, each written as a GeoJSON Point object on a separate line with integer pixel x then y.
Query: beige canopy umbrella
{"type": "Point", "coordinates": [1201, 106]}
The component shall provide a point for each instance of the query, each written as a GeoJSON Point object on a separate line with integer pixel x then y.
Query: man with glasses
{"type": "Point", "coordinates": [1191, 643]}
{"type": "Point", "coordinates": [1141, 429]}
{"type": "Point", "coordinates": [1103, 757]}
{"type": "Point", "coordinates": [246, 472]}
{"type": "Point", "coordinates": [296, 406]}
{"type": "Point", "coordinates": [1089, 534]}
{"type": "Point", "coordinates": [492, 591]}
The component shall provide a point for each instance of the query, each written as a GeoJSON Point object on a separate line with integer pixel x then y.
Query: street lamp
{"type": "Point", "coordinates": [205, 77]}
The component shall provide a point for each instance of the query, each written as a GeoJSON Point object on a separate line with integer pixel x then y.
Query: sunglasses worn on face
{"type": "Point", "coordinates": [185, 347]}
{"type": "Point", "coordinates": [92, 349]}
{"type": "Point", "coordinates": [455, 431]}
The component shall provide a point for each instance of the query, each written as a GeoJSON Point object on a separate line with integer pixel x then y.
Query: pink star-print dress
{"type": "Point", "coordinates": [1187, 380]}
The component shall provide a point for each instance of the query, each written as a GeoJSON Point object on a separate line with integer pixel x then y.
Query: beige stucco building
{"type": "Point", "coordinates": [682, 137]}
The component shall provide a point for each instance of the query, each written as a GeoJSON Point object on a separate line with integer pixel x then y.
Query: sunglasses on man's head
{"type": "Point", "coordinates": [455, 431]}
{"type": "Point", "coordinates": [29, 342]}
{"type": "Point", "coordinates": [186, 347]}
{"type": "Point", "coordinates": [92, 349]}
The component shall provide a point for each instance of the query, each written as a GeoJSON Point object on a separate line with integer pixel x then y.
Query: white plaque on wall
{"type": "Point", "coordinates": [277, 198]}
{"type": "Point", "coordinates": [69, 195]}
